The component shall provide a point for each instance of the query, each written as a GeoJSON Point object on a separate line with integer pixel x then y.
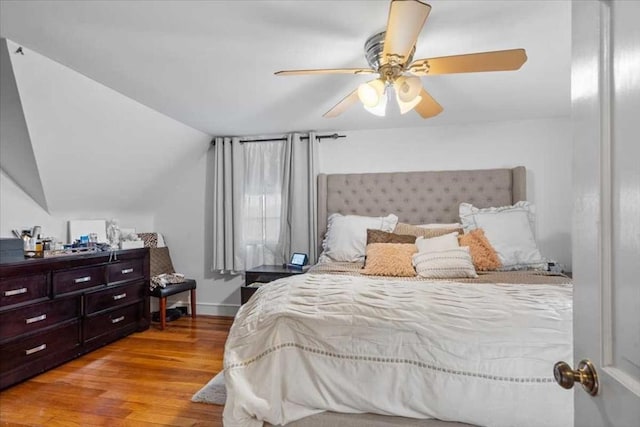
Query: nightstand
{"type": "Point", "coordinates": [264, 274]}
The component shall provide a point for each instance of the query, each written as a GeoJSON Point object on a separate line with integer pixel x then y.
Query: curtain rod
{"type": "Point", "coordinates": [328, 136]}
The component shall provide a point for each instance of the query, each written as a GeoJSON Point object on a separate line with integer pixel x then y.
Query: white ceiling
{"type": "Point", "coordinates": [210, 64]}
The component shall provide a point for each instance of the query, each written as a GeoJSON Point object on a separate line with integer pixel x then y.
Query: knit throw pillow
{"type": "Point", "coordinates": [445, 264]}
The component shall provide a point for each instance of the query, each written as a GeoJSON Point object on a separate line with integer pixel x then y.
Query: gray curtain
{"type": "Point", "coordinates": [228, 191]}
{"type": "Point", "coordinates": [299, 201]}
{"type": "Point", "coordinates": [298, 213]}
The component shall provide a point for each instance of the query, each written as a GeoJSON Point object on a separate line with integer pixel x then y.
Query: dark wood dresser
{"type": "Point", "coordinates": [55, 309]}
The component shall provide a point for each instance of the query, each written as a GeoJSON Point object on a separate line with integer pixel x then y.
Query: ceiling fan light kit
{"type": "Point", "coordinates": [370, 93]}
{"type": "Point", "coordinates": [390, 55]}
{"type": "Point", "coordinates": [380, 109]}
{"type": "Point", "coordinates": [407, 87]}
{"type": "Point", "coordinates": [407, 106]}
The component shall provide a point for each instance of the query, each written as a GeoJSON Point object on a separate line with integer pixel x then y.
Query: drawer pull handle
{"type": "Point", "coordinates": [36, 319]}
{"type": "Point", "coordinates": [13, 292]}
{"type": "Point", "coordinates": [117, 297]}
{"type": "Point", "coordinates": [127, 271]}
{"type": "Point", "coordinates": [36, 349]}
{"type": "Point", "coordinates": [82, 279]}
{"type": "Point", "coordinates": [117, 319]}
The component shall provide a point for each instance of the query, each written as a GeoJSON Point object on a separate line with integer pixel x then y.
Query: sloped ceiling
{"type": "Point", "coordinates": [96, 150]}
{"type": "Point", "coordinates": [16, 153]}
{"type": "Point", "coordinates": [210, 64]}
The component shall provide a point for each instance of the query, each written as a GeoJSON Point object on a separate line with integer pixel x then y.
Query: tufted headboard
{"type": "Point", "coordinates": [417, 197]}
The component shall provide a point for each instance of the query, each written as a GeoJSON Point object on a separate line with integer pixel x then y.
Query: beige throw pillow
{"type": "Point", "coordinates": [440, 243]}
{"type": "Point", "coordinates": [427, 233]}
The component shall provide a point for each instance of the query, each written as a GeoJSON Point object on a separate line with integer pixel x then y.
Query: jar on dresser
{"type": "Point", "coordinates": [55, 309]}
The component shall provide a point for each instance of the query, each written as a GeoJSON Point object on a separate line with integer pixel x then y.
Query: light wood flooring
{"type": "Point", "coordinates": [145, 379]}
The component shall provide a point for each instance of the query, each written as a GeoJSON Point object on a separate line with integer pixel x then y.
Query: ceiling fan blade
{"type": "Point", "coordinates": [343, 105]}
{"type": "Point", "coordinates": [499, 60]}
{"type": "Point", "coordinates": [406, 19]}
{"type": "Point", "coordinates": [428, 107]}
{"type": "Point", "coordinates": [326, 71]}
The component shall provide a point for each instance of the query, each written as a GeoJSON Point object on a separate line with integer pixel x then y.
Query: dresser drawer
{"type": "Point", "coordinates": [26, 350]}
{"type": "Point", "coordinates": [114, 297]}
{"type": "Point", "coordinates": [125, 270]}
{"type": "Point", "coordinates": [15, 290]}
{"type": "Point", "coordinates": [37, 316]}
{"type": "Point", "coordinates": [77, 279]}
{"type": "Point", "coordinates": [111, 321]}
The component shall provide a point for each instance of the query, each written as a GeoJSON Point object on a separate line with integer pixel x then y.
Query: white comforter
{"type": "Point", "coordinates": [476, 353]}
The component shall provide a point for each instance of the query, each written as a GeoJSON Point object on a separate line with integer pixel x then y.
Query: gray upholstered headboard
{"type": "Point", "coordinates": [417, 197]}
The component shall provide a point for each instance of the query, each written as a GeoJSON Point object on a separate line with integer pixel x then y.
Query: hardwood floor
{"type": "Point", "coordinates": [146, 379]}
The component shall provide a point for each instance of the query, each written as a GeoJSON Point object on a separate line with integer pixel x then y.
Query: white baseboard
{"type": "Point", "coordinates": [210, 309]}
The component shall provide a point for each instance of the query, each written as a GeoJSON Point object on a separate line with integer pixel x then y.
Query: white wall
{"type": "Point", "coordinates": [543, 146]}
{"type": "Point", "coordinates": [184, 217]}
{"type": "Point", "coordinates": [18, 210]}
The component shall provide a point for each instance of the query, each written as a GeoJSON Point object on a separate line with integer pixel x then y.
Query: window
{"type": "Point", "coordinates": [262, 203]}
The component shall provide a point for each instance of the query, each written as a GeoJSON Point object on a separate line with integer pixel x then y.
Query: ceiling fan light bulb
{"type": "Point", "coordinates": [368, 95]}
{"type": "Point", "coordinates": [379, 109]}
{"type": "Point", "coordinates": [405, 107]}
{"type": "Point", "coordinates": [408, 88]}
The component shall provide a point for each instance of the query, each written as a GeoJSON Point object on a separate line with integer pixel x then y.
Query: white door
{"type": "Point", "coordinates": [605, 92]}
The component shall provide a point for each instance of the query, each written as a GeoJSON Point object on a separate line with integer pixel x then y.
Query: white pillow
{"type": "Point", "coordinates": [346, 238]}
{"type": "Point", "coordinates": [447, 264]}
{"type": "Point", "coordinates": [440, 243]}
{"type": "Point", "coordinates": [509, 229]}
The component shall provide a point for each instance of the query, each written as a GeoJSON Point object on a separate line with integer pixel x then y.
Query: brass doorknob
{"type": "Point", "coordinates": [585, 375]}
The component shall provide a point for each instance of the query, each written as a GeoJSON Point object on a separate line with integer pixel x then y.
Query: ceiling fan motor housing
{"type": "Point", "coordinates": [373, 48]}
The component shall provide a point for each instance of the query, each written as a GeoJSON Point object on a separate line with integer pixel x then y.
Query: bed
{"type": "Point", "coordinates": [334, 347]}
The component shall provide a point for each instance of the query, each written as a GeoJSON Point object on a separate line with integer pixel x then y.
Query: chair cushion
{"type": "Point", "coordinates": [174, 288]}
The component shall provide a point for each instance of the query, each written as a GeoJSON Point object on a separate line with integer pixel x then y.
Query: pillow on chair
{"type": "Point", "coordinates": [160, 261]}
{"type": "Point", "coordinates": [161, 268]}
{"type": "Point", "coordinates": [150, 239]}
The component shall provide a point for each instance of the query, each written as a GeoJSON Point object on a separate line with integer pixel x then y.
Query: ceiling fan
{"type": "Point", "coordinates": [390, 55]}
